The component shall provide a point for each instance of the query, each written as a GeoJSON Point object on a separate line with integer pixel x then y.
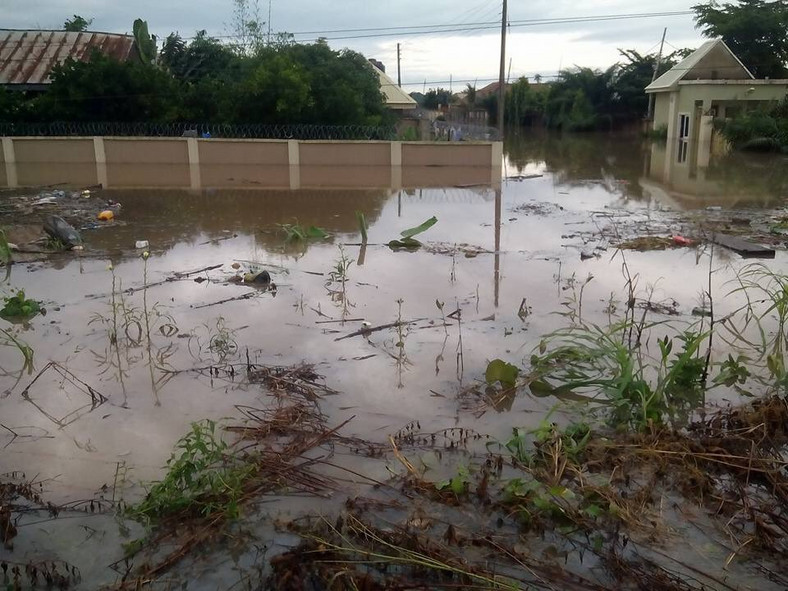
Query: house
{"type": "Point", "coordinates": [711, 82]}
{"type": "Point", "coordinates": [396, 99]}
{"type": "Point", "coordinates": [27, 57]}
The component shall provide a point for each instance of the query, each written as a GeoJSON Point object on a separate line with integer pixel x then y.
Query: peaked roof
{"type": "Point", "coordinates": [27, 57]}
{"type": "Point", "coordinates": [396, 98]}
{"type": "Point", "coordinates": [712, 60]}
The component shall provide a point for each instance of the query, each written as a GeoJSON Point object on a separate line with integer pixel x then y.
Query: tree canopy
{"type": "Point", "coordinates": [77, 23]}
{"type": "Point", "coordinates": [206, 81]}
{"type": "Point", "coordinates": [754, 30]}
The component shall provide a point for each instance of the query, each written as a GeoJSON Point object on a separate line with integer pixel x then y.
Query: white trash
{"type": "Point", "coordinates": [141, 244]}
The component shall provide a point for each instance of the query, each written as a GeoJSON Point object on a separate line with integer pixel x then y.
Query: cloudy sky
{"type": "Point", "coordinates": [467, 49]}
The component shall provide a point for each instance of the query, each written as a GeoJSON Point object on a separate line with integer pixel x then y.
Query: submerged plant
{"type": "Point", "coordinates": [763, 328]}
{"type": "Point", "coordinates": [408, 242]}
{"type": "Point", "coordinates": [202, 479]}
{"type": "Point", "coordinates": [589, 361]}
{"type": "Point", "coordinates": [18, 307]}
{"type": "Point", "coordinates": [297, 233]}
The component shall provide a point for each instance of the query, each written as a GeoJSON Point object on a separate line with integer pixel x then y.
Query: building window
{"type": "Point", "coordinates": [684, 131]}
{"type": "Point", "coordinates": [684, 126]}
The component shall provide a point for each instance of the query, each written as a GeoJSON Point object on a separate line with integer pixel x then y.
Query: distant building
{"type": "Point", "coordinates": [27, 57]}
{"type": "Point", "coordinates": [711, 82]}
{"type": "Point", "coordinates": [396, 98]}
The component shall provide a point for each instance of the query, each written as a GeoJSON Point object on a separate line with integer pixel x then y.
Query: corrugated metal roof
{"type": "Point", "coordinates": [396, 98]}
{"type": "Point", "coordinates": [27, 57]}
{"type": "Point", "coordinates": [672, 77]}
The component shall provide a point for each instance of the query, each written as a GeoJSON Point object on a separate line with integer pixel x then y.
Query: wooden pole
{"type": "Point", "coordinates": [399, 73]}
{"type": "Point", "coordinates": [501, 74]}
{"type": "Point", "coordinates": [650, 114]}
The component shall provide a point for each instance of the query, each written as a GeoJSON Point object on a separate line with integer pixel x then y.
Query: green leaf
{"type": "Point", "coordinates": [458, 485]}
{"type": "Point", "coordinates": [593, 511]}
{"type": "Point", "coordinates": [423, 227]}
{"type": "Point", "coordinates": [405, 243]}
{"type": "Point", "coordinates": [503, 372]}
{"type": "Point", "coordinates": [362, 225]}
{"type": "Point", "coordinates": [317, 233]}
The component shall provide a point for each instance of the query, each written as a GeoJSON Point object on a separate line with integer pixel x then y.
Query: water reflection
{"type": "Point", "coordinates": [633, 168]}
{"type": "Point", "coordinates": [732, 180]}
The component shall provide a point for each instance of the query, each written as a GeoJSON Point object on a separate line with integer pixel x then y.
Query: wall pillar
{"type": "Point", "coordinates": [100, 156]}
{"type": "Point", "coordinates": [672, 141]}
{"type": "Point", "coordinates": [396, 165]}
{"type": "Point", "coordinates": [496, 149]}
{"type": "Point", "coordinates": [194, 162]}
{"type": "Point", "coordinates": [9, 157]}
{"type": "Point", "coordinates": [294, 160]}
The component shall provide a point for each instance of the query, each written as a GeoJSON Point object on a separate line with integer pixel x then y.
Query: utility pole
{"type": "Point", "coordinates": [501, 86]}
{"type": "Point", "coordinates": [399, 72]}
{"type": "Point", "coordinates": [650, 114]}
{"type": "Point", "coordinates": [269, 22]}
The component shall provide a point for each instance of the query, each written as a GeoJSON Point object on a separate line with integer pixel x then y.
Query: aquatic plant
{"type": "Point", "coordinates": [5, 249]}
{"type": "Point", "coordinates": [297, 233]}
{"type": "Point", "coordinates": [8, 338]}
{"type": "Point", "coordinates": [760, 328]}
{"type": "Point", "coordinates": [18, 307]}
{"type": "Point", "coordinates": [362, 226]}
{"type": "Point", "coordinates": [588, 360]}
{"type": "Point", "coordinates": [408, 242]}
{"type": "Point", "coordinates": [202, 478]}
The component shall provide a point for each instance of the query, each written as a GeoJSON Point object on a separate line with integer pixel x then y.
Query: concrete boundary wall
{"type": "Point", "coordinates": [197, 163]}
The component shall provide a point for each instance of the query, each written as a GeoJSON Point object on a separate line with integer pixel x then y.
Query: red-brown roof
{"type": "Point", "coordinates": [27, 57]}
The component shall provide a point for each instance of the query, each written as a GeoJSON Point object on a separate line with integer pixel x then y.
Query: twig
{"type": "Point", "coordinates": [370, 330]}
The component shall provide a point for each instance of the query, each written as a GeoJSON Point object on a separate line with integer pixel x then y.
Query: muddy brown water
{"type": "Point", "coordinates": [556, 196]}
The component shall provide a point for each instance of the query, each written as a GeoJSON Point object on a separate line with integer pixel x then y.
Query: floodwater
{"type": "Point", "coordinates": [494, 252]}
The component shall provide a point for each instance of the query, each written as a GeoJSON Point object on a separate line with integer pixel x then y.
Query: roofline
{"type": "Point", "coordinates": [752, 82]}
{"type": "Point", "coordinates": [62, 31]}
{"type": "Point", "coordinates": [746, 69]}
{"type": "Point", "coordinates": [707, 47]}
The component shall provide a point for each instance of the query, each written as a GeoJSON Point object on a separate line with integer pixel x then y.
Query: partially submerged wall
{"type": "Point", "coordinates": [205, 163]}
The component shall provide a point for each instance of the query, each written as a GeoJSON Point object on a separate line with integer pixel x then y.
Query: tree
{"type": "Point", "coordinates": [77, 24]}
{"type": "Point", "coordinates": [203, 57]}
{"type": "Point", "coordinates": [247, 27]}
{"type": "Point", "coordinates": [105, 89]}
{"type": "Point", "coordinates": [146, 43]}
{"type": "Point", "coordinates": [631, 78]}
{"type": "Point", "coordinates": [754, 30]}
{"type": "Point", "coordinates": [470, 96]}
{"type": "Point", "coordinates": [437, 97]}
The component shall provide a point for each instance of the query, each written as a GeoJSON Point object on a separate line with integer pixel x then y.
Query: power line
{"type": "Point", "coordinates": [438, 29]}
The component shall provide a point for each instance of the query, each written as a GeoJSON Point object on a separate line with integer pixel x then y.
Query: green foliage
{"type": "Point", "coordinates": [5, 249]}
{"type": "Point", "coordinates": [19, 307]}
{"type": "Point", "coordinates": [585, 99]}
{"type": "Point", "coordinates": [458, 484]}
{"type": "Point", "coordinates": [523, 104]}
{"type": "Point", "coordinates": [77, 23]}
{"type": "Point", "coordinates": [437, 97]}
{"type": "Point", "coordinates": [202, 479]}
{"type": "Point", "coordinates": [408, 241]}
{"type": "Point", "coordinates": [362, 225]}
{"type": "Point", "coordinates": [207, 81]}
{"type": "Point", "coordinates": [659, 133]}
{"type": "Point", "coordinates": [765, 315]}
{"type": "Point", "coordinates": [502, 372]}
{"type": "Point", "coordinates": [105, 89]}
{"type": "Point", "coordinates": [753, 29]}
{"type": "Point", "coordinates": [762, 129]}
{"type": "Point", "coordinates": [590, 360]}
{"type": "Point", "coordinates": [7, 338]}
{"type": "Point", "coordinates": [298, 233]}
{"type": "Point", "coordinates": [12, 105]}
{"type": "Point", "coordinates": [146, 45]}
